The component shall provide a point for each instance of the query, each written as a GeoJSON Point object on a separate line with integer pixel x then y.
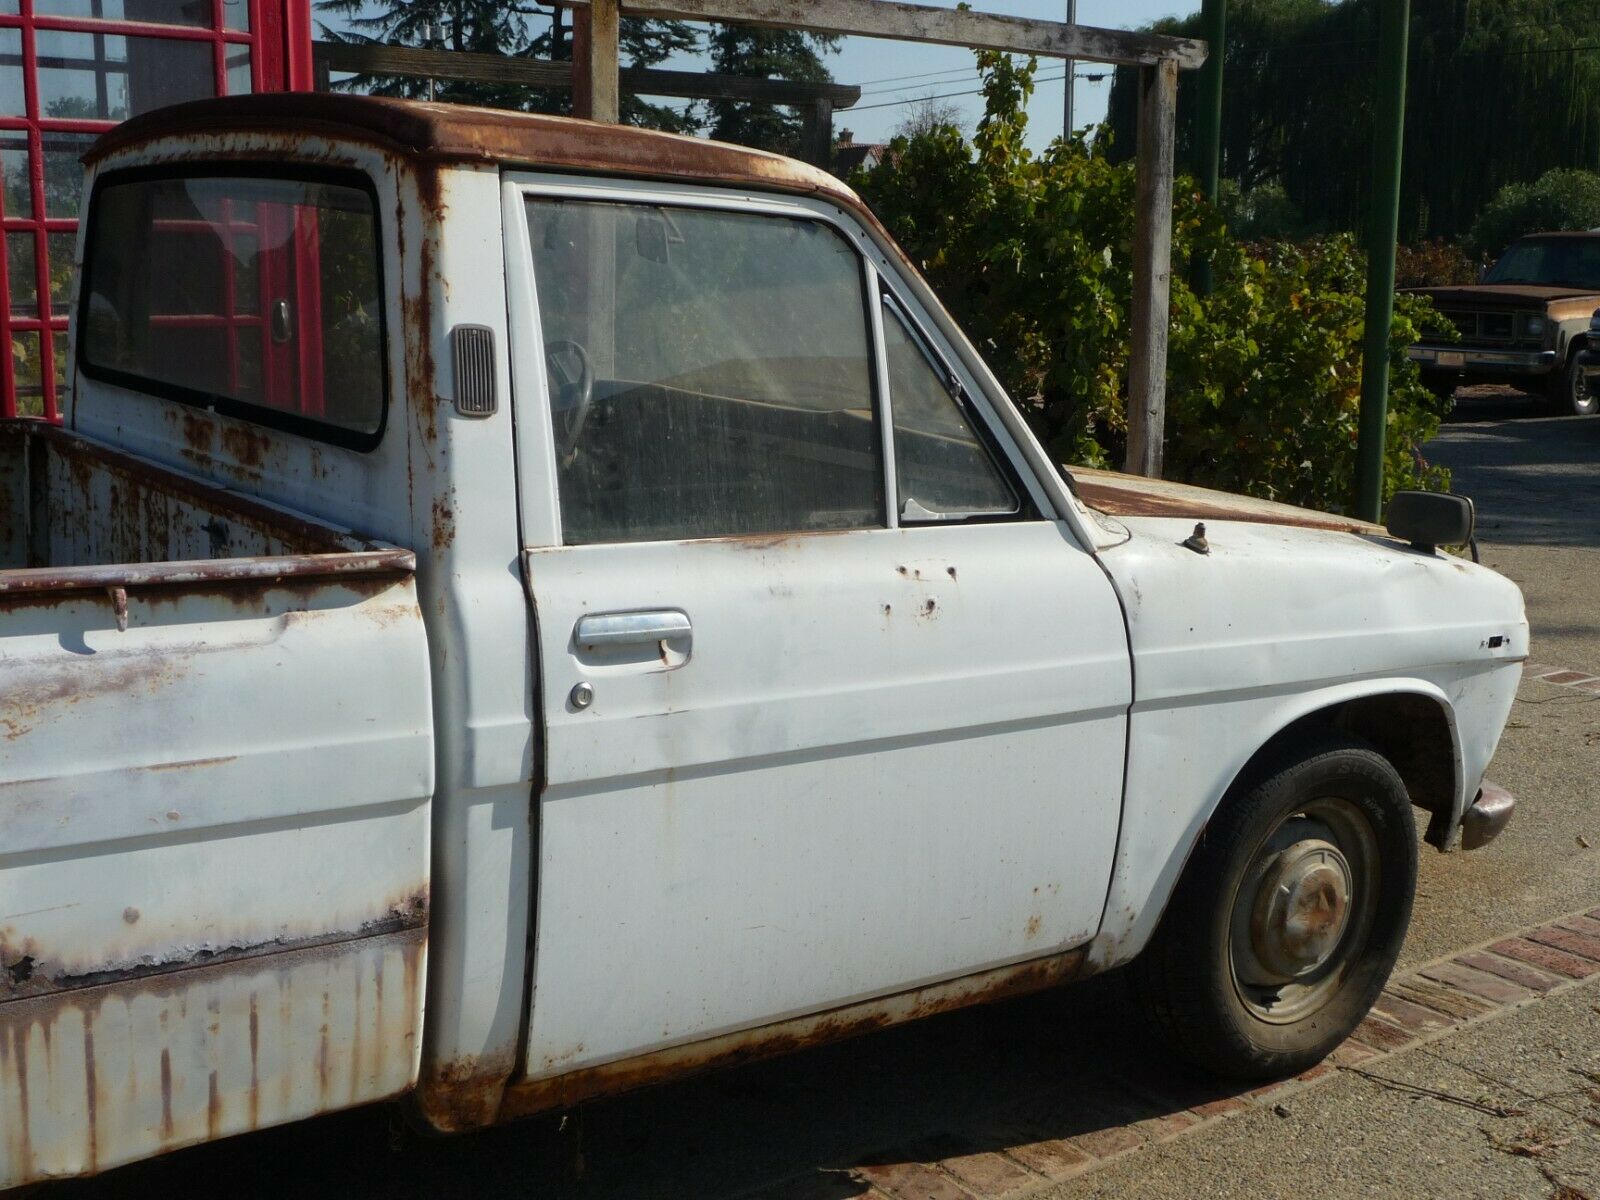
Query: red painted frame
{"type": "Point", "coordinates": [279, 42]}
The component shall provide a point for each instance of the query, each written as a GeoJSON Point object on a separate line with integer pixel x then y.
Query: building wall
{"type": "Point", "coordinates": [70, 69]}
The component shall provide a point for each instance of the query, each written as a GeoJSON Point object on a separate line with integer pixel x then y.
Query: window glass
{"type": "Point", "coordinates": [710, 372]}
{"type": "Point", "coordinates": [13, 98]}
{"type": "Point", "coordinates": [160, 12]}
{"type": "Point", "coordinates": [172, 265]}
{"type": "Point", "coordinates": [97, 76]}
{"type": "Point", "coordinates": [942, 466]}
{"type": "Point", "coordinates": [18, 193]}
{"type": "Point", "coordinates": [63, 171]}
{"type": "Point", "coordinates": [22, 273]}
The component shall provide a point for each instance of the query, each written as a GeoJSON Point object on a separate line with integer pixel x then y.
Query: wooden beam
{"type": "Point", "coordinates": [924, 23]}
{"type": "Point", "coordinates": [365, 58]}
{"type": "Point", "coordinates": [1152, 269]}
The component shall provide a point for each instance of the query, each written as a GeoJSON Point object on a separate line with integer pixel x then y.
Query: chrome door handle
{"type": "Point", "coordinates": [631, 628]}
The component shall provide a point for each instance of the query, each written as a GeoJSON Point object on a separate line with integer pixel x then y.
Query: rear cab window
{"type": "Point", "coordinates": [254, 293]}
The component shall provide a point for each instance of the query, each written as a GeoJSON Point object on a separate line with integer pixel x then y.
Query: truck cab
{"type": "Point", "coordinates": [521, 609]}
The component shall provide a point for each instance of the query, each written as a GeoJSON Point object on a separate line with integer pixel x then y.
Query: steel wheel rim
{"type": "Point", "coordinates": [1303, 909]}
{"type": "Point", "coordinates": [1581, 398]}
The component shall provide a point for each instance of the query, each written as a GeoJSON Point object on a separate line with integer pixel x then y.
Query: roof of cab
{"type": "Point", "coordinates": [445, 133]}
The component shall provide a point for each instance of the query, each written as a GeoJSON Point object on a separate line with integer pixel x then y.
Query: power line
{"type": "Point", "coordinates": [1092, 77]}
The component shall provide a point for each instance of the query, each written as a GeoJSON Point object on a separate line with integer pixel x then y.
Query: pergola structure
{"type": "Point", "coordinates": [817, 102]}
{"type": "Point", "coordinates": [597, 83]}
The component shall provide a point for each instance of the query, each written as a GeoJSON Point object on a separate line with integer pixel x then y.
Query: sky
{"type": "Point", "coordinates": [881, 68]}
{"type": "Point", "coordinates": [894, 75]}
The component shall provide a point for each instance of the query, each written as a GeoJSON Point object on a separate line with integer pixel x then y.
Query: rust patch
{"type": "Point", "coordinates": [444, 521]}
{"type": "Point", "coordinates": [1121, 495]}
{"type": "Point", "coordinates": [531, 1096]}
{"type": "Point", "coordinates": [463, 1094]}
{"type": "Point", "coordinates": [29, 972]}
{"type": "Point", "coordinates": [249, 447]}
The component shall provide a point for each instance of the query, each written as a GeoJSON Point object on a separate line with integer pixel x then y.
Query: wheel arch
{"type": "Point", "coordinates": [1410, 721]}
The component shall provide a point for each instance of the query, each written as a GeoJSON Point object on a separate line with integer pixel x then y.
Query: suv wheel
{"type": "Point", "coordinates": [1289, 916]}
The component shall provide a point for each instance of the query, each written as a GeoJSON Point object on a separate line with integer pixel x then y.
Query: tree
{"type": "Point", "coordinates": [1560, 199]}
{"type": "Point", "coordinates": [488, 27]}
{"type": "Point", "coordinates": [1498, 92]}
{"type": "Point", "coordinates": [927, 114]}
{"type": "Point", "coordinates": [1033, 255]}
{"type": "Point", "coordinates": [765, 54]}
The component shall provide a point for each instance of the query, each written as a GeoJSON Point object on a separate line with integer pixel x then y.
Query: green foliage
{"type": "Point", "coordinates": [1034, 257]}
{"type": "Point", "coordinates": [1262, 213]}
{"type": "Point", "coordinates": [1435, 263]}
{"type": "Point", "coordinates": [1497, 91]}
{"type": "Point", "coordinates": [1559, 199]}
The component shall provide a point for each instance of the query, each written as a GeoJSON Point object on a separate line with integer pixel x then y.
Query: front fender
{"type": "Point", "coordinates": [1184, 759]}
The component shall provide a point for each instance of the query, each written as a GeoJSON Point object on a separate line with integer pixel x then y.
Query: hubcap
{"type": "Point", "coordinates": [1303, 910]}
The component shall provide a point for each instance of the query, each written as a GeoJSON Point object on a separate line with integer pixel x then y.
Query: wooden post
{"type": "Point", "coordinates": [595, 91]}
{"type": "Point", "coordinates": [817, 139]}
{"type": "Point", "coordinates": [1152, 268]}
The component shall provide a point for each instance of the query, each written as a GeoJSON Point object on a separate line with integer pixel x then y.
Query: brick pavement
{"type": "Point", "coordinates": [1021, 1153]}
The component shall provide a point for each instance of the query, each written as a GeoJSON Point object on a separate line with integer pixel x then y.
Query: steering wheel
{"type": "Point", "coordinates": [572, 390]}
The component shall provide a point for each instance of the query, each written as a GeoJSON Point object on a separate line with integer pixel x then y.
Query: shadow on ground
{"type": "Point", "coordinates": [1512, 461]}
{"type": "Point", "coordinates": [1061, 1064]}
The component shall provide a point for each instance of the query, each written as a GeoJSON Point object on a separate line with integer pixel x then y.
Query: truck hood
{"type": "Point", "coordinates": [1501, 294]}
{"type": "Point", "coordinates": [1119, 495]}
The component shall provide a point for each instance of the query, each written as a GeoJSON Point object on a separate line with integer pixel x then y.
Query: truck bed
{"type": "Point", "coordinates": [75, 513]}
{"type": "Point", "coordinates": [216, 771]}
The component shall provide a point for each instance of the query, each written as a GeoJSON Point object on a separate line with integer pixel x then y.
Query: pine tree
{"type": "Point", "coordinates": [514, 30]}
{"type": "Point", "coordinates": [766, 54]}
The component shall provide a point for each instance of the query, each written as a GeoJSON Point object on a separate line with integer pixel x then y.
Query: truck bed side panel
{"type": "Point", "coordinates": [213, 861]}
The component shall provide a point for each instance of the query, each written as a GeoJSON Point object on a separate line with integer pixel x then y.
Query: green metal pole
{"type": "Point", "coordinates": [1388, 144]}
{"type": "Point", "coordinates": [1208, 115]}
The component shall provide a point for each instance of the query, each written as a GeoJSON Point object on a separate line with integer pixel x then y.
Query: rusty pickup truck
{"type": "Point", "coordinates": [1524, 325]}
{"type": "Point", "coordinates": [520, 609]}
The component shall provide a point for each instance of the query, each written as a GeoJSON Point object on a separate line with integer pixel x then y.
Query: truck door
{"type": "Point", "coordinates": [831, 712]}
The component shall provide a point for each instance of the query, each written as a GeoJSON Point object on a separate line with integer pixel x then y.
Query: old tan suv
{"type": "Point", "coordinates": [1524, 324]}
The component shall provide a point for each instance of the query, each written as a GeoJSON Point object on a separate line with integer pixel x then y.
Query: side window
{"type": "Point", "coordinates": [945, 471]}
{"type": "Point", "coordinates": [710, 372]}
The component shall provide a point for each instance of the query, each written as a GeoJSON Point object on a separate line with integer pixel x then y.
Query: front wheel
{"type": "Point", "coordinates": [1570, 394]}
{"type": "Point", "coordinates": [1289, 916]}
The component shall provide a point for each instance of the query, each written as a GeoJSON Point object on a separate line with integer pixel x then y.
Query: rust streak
{"type": "Point", "coordinates": [608, 1079]}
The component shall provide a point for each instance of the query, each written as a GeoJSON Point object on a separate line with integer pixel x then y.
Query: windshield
{"type": "Point", "coordinates": [1550, 262]}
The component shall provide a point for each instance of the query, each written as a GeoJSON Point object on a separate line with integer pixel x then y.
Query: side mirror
{"type": "Point", "coordinates": [1430, 519]}
{"type": "Point", "coordinates": [650, 238]}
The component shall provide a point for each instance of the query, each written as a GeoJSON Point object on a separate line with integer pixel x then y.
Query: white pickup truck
{"type": "Point", "coordinates": [520, 609]}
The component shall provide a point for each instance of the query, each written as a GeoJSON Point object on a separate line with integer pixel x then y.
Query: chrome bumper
{"type": "Point", "coordinates": [1487, 816]}
{"type": "Point", "coordinates": [1465, 358]}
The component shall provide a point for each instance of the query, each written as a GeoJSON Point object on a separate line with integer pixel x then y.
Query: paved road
{"type": "Point", "coordinates": [970, 1077]}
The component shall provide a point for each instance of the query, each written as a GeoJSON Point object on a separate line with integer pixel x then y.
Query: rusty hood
{"type": "Point", "coordinates": [1501, 294]}
{"type": "Point", "coordinates": [1119, 495]}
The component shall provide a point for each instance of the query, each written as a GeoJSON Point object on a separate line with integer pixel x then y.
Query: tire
{"type": "Point", "coordinates": [1569, 392]}
{"type": "Point", "coordinates": [1227, 977]}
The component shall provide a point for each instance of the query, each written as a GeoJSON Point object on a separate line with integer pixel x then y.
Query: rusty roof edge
{"type": "Point", "coordinates": [432, 132]}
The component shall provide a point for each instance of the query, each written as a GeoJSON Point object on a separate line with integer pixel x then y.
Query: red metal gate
{"type": "Point", "coordinates": [70, 69]}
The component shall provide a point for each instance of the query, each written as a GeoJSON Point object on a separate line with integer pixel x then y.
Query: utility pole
{"type": "Point", "coordinates": [1388, 145]}
{"type": "Point", "coordinates": [1208, 130]}
{"type": "Point", "coordinates": [1072, 76]}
